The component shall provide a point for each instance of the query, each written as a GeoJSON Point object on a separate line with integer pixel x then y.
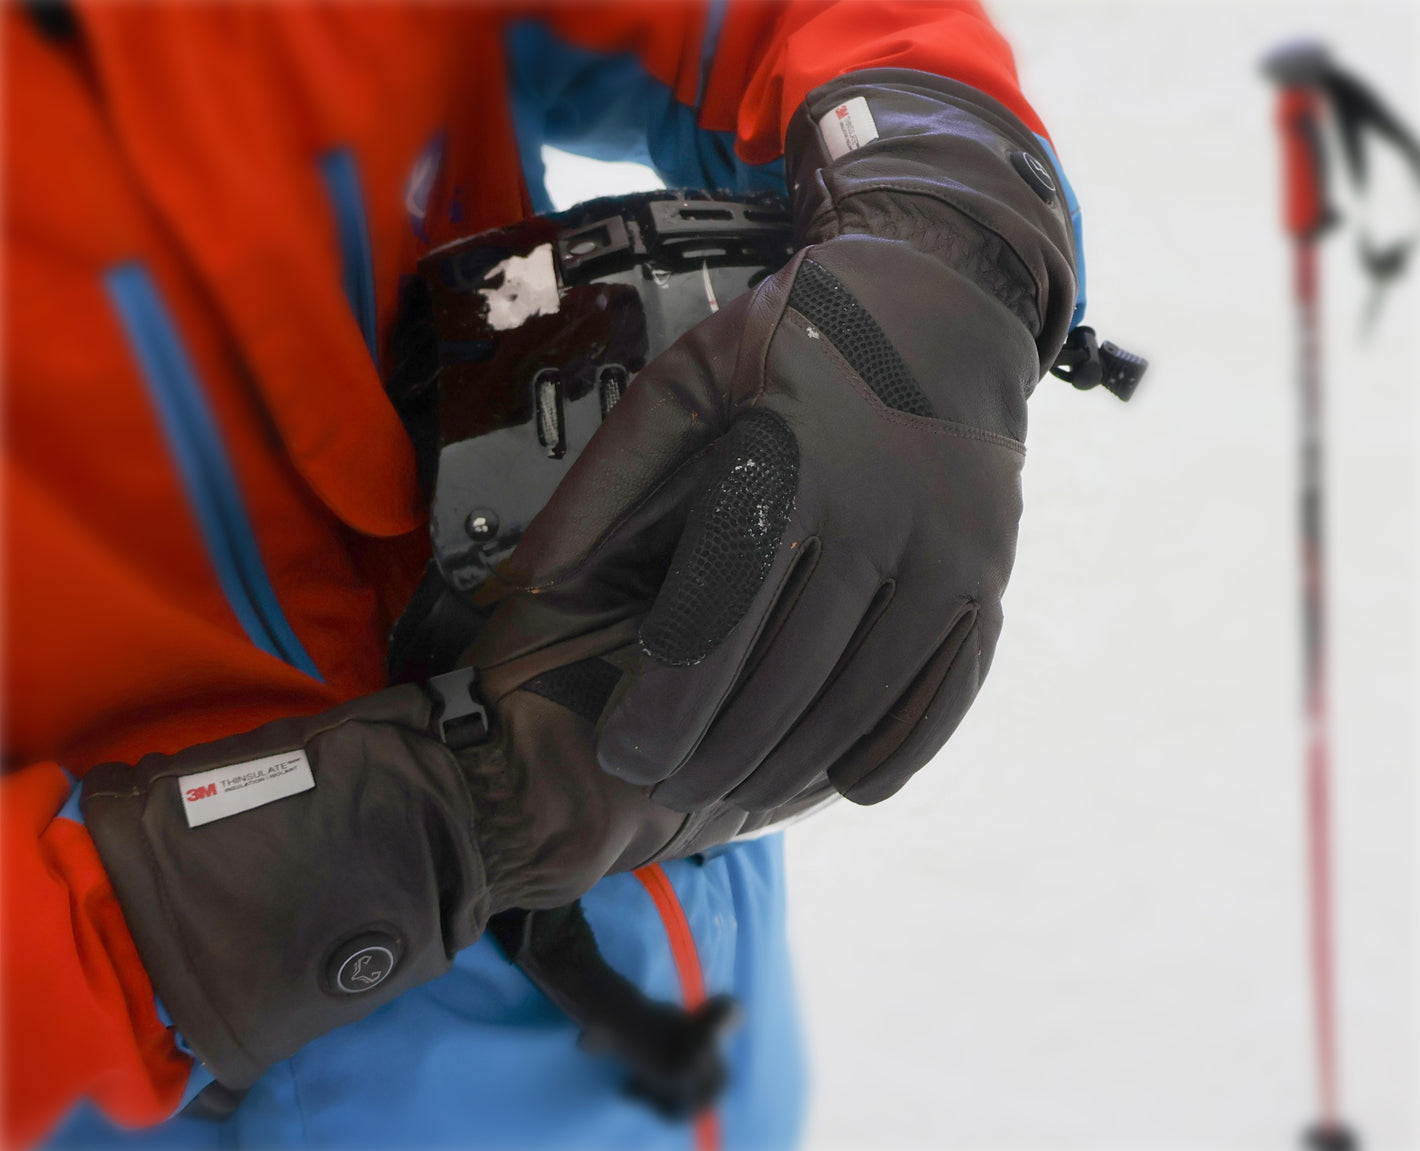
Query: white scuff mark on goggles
{"type": "Point", "coordinates": [521, 287]}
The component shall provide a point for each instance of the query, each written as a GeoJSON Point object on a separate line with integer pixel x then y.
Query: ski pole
{"type": "Point", "coordinates": [1310, 86]}
{"type": "Point", "coordinates": [1306, 216]}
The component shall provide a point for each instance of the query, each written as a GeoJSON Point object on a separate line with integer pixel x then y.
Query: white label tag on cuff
{"type": "Point", "coordinates": [846, 127]}
{"type": "Point", "coordinates": [224, 791]}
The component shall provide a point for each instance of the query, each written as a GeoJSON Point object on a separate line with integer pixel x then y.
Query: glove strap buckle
{"type": "Point", "coordinates": [461, 719]}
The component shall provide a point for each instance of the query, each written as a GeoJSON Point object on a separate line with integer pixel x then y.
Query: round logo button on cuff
{"type": "Point", "coordinates": [362, 963]}
{"type": "Point", "coordinates": [1036, 174]}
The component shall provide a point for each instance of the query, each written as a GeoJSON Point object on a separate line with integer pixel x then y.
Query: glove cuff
{"type": "Point", "coordinates": [288, 881]}
{"type": "Point", "coordinates": [904, 155]}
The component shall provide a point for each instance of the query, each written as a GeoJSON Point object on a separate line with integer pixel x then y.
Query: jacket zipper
{"type": "Point", "coordinates": [202, 462]}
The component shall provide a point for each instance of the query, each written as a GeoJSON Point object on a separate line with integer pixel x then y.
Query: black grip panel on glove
{"type": "Point", "coordinates": [826, 474]}
{"type": "Point", "coordinates": [830, 307]}
{"type": "Point", "coordinates": [730, 541]}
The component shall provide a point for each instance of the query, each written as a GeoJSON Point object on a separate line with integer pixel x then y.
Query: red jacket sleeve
{"type": "Point", "coordinates": [747, 64]}
{"type": "Point", "coordinates": [80, 1018]}
{"type": "Point", "coordinates": [770, 56]}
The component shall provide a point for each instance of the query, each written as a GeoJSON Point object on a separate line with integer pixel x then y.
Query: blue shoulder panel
{"type": "Point", "coordinates": [608, 107]}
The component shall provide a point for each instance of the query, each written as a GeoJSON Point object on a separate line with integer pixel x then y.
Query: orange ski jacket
{"type": "Point", "coordinates": [211, 517]}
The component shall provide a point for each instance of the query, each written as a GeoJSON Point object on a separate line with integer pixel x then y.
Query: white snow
{"type": "Point", "coordinates": [1083, 926]}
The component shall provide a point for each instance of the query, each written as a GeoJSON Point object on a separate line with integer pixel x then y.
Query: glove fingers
{"type": "Point", "coordinates": [733, 561]}
{"type": "Point", "coordinates": [921, 721]}
{"type": "Point", "coordinates": [895, 655]}
{"type": "Point", "coordinates": [781, 779]}
{"type": "Point", "coordinates": [662, 717]}
{"type": "Point", "coordinates": [812, 626]}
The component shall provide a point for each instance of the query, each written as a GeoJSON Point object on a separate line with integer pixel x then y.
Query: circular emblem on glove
{"type": "Point", "coordinates": [363, 963]}
{"type": "Point", "coordinates": [1036, 174]}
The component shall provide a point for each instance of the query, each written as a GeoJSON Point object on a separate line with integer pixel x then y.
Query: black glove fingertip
{"type": "Point", "coordinates": [626, 750]}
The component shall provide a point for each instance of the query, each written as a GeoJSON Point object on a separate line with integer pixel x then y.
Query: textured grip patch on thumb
{"type": "Point", "coordinates": [729, 543]}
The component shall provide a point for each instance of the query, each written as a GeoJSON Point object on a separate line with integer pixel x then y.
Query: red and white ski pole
{"type": "Point", "coordinates": [1313, 92]}
{"type": "Point", "coordinates": [1306, 215]}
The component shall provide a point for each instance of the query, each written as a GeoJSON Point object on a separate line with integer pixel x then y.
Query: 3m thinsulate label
{"type": "Point", "coordinates": [224, 791]}
{"type": "Point", "coordinates": [847, 126]}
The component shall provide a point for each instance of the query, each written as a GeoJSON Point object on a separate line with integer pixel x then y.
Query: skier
{"type": "Point", "coordinates": [224, 836]}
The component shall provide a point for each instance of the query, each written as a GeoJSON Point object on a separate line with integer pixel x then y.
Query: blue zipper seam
{"type": "Point", "coordinates": [207, 473]}
{"type": "Point", "coordinates": [342, 183]}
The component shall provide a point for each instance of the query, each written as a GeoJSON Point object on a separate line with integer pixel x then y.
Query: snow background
{"type": "Point", "coordinates": [1084, 925]}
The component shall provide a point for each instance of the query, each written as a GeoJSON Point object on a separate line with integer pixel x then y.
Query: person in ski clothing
{"type": "Point", "coordinates": [212, 519]}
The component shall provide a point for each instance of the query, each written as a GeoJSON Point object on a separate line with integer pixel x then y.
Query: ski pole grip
{"type": "Point", "coordinates": [1305, 211]}
{"type": "Point", "coordinates": [1300, 69]}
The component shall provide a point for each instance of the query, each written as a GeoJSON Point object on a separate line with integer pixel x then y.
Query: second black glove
{"type": "Point", "coordinates": [812, 498]}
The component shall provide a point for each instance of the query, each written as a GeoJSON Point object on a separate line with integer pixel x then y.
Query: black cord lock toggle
{"type": "Point", "coordinates": [671, 1054]}
{"type": "Point", "coordinates": [1085, 362]}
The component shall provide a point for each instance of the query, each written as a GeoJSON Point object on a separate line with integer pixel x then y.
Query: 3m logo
{"type": "Point", "coordinates": [238, 787]}
{"type": "Point", "coordinates": [847, 127]}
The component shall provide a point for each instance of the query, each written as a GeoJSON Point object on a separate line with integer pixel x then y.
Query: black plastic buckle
{"type": "Point", "coordinates": [1085, 363]}
{"type": "Point", "coordinates": [461, 718]}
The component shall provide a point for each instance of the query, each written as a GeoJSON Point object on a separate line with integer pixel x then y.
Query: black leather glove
{"type": "Point", "coordinates": [282, 883]}
{"type": "Point", "coordinates": [811, 500]}
{"type": "Point", "coordinates": [781, 560]}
